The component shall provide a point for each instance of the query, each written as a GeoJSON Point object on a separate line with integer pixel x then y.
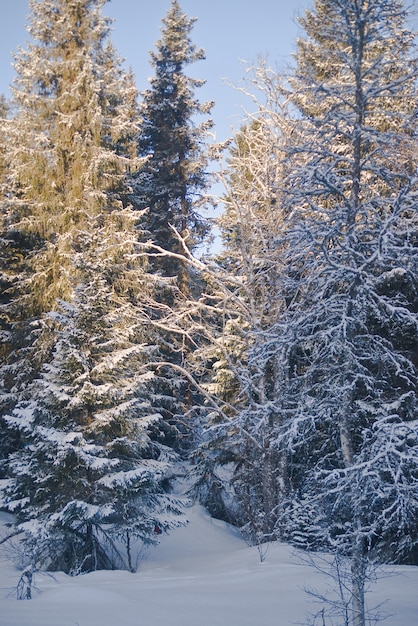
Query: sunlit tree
{"type": "Point", "coordinates": [174, 179]}
{"type": "Point", "coordinates": [80, 306]}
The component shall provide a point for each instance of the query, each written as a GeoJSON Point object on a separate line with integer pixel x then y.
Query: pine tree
{"type": "Point", "coordinates": [349, 371]}
{"type": "Point", "coordinates": [3, 151]}
{"type": "Point", "coordinates": [81, 303]}
{"type": "Point", "coordinates": [174, 178]}
{"type": "Point", "coordinates": [68, 142]}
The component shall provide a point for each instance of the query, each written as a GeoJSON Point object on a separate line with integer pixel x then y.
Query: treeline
{"type": "Point", "coordinates": [285, 367]}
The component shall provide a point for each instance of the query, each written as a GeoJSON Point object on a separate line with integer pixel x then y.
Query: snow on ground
{"type": "Point", "coordinates": [203, 574]}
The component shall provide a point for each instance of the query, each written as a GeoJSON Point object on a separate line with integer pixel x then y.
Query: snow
{"type": "Point", "coordinates": [202, 574]}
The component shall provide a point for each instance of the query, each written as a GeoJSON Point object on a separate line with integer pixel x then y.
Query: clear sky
{"type": "Point", "coordinates": [229, 31]}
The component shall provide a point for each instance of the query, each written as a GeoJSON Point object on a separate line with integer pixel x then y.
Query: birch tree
{"type": "Point", "coordinates": [246, 292]}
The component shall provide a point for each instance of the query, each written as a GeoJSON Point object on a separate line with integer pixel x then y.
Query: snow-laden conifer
{"type": "Point", "coordinates": [348, 337]}
{"type": "Point", "coordinates": [89, 481]}
{"type": "Point", "coordinates": [171, 187]}
{"type": "Point", "coordinates": [90, 471]}
{"type": "Point", "coordinates": [9, 279]}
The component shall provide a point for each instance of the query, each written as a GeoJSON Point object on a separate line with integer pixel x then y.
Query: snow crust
{"type": "Point", "coordinates": [202, 574]}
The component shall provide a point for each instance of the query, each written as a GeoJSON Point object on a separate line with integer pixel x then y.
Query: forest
{"type": "Point", "coordinates": [280, 371]}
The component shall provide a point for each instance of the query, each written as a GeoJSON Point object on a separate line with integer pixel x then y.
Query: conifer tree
{"type": "Point", "coordinates": [68, 142]}
{"type": "Point", "coordinates": [89, 481]}
{"type": "Point", "coordinates": [171, 188]}
{"type": "Point", "coordinates": [3, 115]}
{"type": "Point", "coordinates": [80, 303]}
{"type": "Point", "coordinates": [8, 281]}
{"type": "Point", "coordinates": [349, 371]}
{"type": "Point", "coordinates": [174, 178]}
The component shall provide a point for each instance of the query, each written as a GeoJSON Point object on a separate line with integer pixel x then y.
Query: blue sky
{"type": "Point", "coordinates": [228, 30]}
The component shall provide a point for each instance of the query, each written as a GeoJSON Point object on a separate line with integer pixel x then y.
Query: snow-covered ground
{"type": "Point", "coordinates": [202, 574]}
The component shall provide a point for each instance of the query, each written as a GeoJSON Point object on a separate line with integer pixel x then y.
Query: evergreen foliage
{"type": "Point", "coordinates": [349, 384]}
{"type": "Point", "coordinates": [90, 479]}
{"type": "Point", "coordinates": [173, 181]}
{"type": "Point", "coordinates": [79, 304]}
{"type": "Point", "coordinates": [8, 282]}
{"type": "Point", "coordinates": [171, 187]}
{"type": "Point", "coordinates": [298, 342]}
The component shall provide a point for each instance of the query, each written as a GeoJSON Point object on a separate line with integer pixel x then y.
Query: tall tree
{"type": "Point", "coordinates": [244, 301]}
{"type": "Point", "coordinates": [78, 341]}
{"type": "Point", "coordinates": [349, 335]}
{"type": "Point", "coordinates": [89, 480]}
{"type": "Point", "coordinates": [8, 281]}
{"type": "Point", "coordinates": [68, 140]}
{"type": "Point", "coordinates": [174, 177]}
{"type": "Point", "coordinates": [171, 188]}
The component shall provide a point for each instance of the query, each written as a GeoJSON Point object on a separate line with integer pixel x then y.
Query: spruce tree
{"type": "Point", "coordinates": [174, 178]}
{"type": "Point", "coordinates": [348, 364]}
{"type": "Point", "coordinates": [89, 481]}
{"type": "Point", "coordinates": [171, 188]}
{"type": "Point", "coordinates": [80, 302]}
{"type": "Point", "coordinates": [8, 281]}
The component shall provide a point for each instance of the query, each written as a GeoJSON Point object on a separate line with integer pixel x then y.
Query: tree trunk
{"type": "Point", "coordinates": [358, 561]}
{"type": "Point", "coordinates": [358, 576]}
